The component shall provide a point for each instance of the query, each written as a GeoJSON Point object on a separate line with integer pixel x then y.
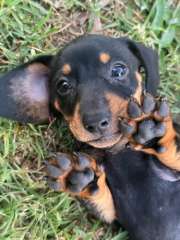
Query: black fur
{"type": "Point", "coordinates": [147, 202]}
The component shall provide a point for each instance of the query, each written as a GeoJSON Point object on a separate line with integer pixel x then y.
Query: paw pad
{"type": "Point", "coordinates": [147, 121]}
{"type": "Point", "coordinates": [71, 173]}
{"type": "Point", "coordinates": [77, 181]}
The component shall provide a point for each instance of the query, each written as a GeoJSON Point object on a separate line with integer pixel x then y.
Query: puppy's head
{"type": "Point", "coordinates": [92, 81]}
{"type": "Point", "coordinates": [89, 83]}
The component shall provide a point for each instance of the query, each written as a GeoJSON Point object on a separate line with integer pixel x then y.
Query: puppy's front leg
{"type": "Point", "coordinates": [79, 175]}
{"type": "Point", "coordinates": [150, 129]}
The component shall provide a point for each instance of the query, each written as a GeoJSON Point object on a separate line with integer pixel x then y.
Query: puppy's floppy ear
{"type": "Point", "coordinates": [149, 61]}
{"type": "Point", "coordinates": [24, 91]}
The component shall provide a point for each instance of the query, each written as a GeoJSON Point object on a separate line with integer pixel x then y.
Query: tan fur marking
{"type": "Point", "coordinates": [57, 105]}
{"type": "Point", "coordinates": [138, 92]}
{"type": "Point", "coordinates": [170, 158]}
{"type": "Point", "coordinates": [118, 105]}
{"type": "Point", "coordinates": [103, 201]}
{"type": "Point", "coordinates": [66, 69]}
{"type": "Point", "coordinates": [80, 133]}
{"type": "Point", "coordinates": [76, 126]}
{"type": "Point", "coordinates": [104, 57]}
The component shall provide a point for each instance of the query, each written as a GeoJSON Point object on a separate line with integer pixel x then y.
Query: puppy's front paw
{"type": "Point", "coordinates": [147, 121]}
{"type": "Point", "coordinates": [76, 173]}
{"type": "Point", "coordinates": [81, 176]}
{"type": "Point", "coordinates": [150, 129]}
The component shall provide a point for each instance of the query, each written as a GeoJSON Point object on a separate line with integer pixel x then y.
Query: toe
{"type": "Point", "coordinates": [148, 103]}
{"type": "Point", "coordinates": [134, 109]}
{"type": "Point", "coordinates": [77, 181]}
{"type": "Point", "coordinates": [54, 185]}
{"type": "Point", "coordinates": [83, 161]}
{"type": "Point", "coordinates": [163, 110]}
{"type": "Point", "coordinates": [63, 160]}
{"type": "Point", "coordinates": [53, 171]}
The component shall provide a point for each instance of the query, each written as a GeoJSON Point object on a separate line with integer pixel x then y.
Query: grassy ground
{"type": "Point", "coordinates": [28, 210]}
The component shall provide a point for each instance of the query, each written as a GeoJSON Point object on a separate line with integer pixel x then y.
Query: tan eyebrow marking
{"type": "Point", "coordinates": [66, 69]}
{"type": "Point", "coordinates": [104, 57]}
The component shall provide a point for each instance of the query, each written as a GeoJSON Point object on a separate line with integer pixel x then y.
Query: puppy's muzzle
{"type": "Point", "coordinates": [98, 123]}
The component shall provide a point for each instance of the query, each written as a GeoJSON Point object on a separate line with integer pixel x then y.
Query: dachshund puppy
{"type": "Point", "coordinates": [95, 84]}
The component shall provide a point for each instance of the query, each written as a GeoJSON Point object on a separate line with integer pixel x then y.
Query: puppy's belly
{"type": "Point", "coordinates": [146, 205]}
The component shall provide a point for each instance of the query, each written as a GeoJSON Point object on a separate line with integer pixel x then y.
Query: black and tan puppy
{"type": "Point", "coordinates": [96, 85]}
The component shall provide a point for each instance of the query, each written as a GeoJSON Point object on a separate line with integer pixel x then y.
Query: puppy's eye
{"type": "Point", "coordinates": [119, 71]}
{"type": "Point", "coordinates": [63, 87]}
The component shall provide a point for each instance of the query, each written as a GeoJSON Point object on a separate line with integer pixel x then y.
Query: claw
{"type": "Point", "coordinates": [164, 99]}
{"type": "Point", "coordinates": [163, 108]}
{"type": "Point", "coordinates": [45, 178]}
{"type": "Point", "coordinates": [45, 162]}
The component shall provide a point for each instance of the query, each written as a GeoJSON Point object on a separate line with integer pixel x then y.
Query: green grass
{"type": "Point", "coordinates": [28, 210]}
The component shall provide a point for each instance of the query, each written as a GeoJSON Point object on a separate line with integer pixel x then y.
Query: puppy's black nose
{"type": "Point", "coordinates": [97, 123]}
